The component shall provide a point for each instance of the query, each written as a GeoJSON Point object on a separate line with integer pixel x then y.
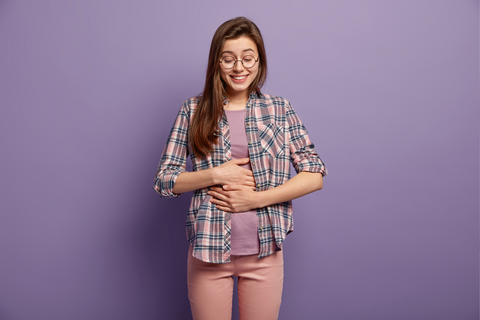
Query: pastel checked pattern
{"type": "Point", "coordinates": [277, 137]}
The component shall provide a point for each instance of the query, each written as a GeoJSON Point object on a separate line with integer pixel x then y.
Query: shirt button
{"type": "Point", "coordinates": [253, 163]}
{"type": "Point", "coordinates": [248, 123]}
{"type": "Point", "coordinates": [258, 184]}
{"type": "Point", "coordinates": [249, 142]}
{"type": "Point", "coordinates": [261, 228]}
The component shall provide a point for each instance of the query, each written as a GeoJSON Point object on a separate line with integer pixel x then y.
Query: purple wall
{"type": "Point", "coordinates": [389, 91]}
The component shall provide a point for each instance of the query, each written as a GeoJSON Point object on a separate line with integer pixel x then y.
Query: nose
{"type": "Point", "coordinates": [238, 67]}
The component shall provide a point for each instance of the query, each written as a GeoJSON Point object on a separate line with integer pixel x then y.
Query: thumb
{"type": "Point", "coordinates": [241, 161]}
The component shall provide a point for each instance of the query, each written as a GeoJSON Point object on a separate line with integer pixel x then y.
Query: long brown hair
{"type": "Point", "coordinates": [210, 107]}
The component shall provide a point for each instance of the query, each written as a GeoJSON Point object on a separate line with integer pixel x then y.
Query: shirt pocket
{"type": "Point", "coordinates": [272, 139]}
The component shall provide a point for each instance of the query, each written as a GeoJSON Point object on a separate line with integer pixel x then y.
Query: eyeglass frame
{"type": "Point", "coordinates": [248, 55]}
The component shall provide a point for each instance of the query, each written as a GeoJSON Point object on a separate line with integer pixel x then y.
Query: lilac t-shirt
{"type": "Point", "coordinates": [244, 224]}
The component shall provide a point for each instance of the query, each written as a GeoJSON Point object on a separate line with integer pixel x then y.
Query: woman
{"type": "Point", "coordinates": [241, 143]}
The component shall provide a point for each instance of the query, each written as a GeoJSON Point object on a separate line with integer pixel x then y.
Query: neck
{"type": "Point", "coordinates": [238, 98]}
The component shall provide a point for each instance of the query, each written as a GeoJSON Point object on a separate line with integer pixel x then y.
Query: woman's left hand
{"type": "Point", "coordinates": [234, 198]}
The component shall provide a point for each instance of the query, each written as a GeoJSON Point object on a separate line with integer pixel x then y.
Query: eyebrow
{"type": "Point", "coordinates": [242, 51]}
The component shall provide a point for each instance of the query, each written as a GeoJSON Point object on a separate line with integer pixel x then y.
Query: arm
{"type": "Point", "coordinates": [228, 173]}
{"type": "Point", "coordinates": [172, 179]}
{"type": "Point", "coordinates": [235, 198]}
{"type": "Point", "coordinates": [298, 186]}
{"type": "Point", "coordinates": [174, 156]}
{"type": "Point", "coordinates": [306, 162]}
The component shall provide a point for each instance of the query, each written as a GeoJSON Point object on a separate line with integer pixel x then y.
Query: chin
{"type": "Point", "coordinates": [239, 88]}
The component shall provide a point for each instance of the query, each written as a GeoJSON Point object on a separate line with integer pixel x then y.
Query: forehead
{"type": "Point", "coordinates": [239, 45]}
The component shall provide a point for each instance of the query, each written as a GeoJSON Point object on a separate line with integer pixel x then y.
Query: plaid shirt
{"type": "Point", "coordinates": [276, 137]}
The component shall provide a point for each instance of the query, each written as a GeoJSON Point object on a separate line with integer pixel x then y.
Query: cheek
{"type": "Point", "coordinates": [223, 76]}
{"type": "Point", "coordinates": [255, 73]}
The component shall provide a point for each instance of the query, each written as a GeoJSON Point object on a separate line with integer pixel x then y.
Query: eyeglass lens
{"type": "Point", "coordinates": [229, 62]}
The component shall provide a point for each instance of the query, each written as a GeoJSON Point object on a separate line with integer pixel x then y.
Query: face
{"type": "Point", "coordinates": [239, 78]}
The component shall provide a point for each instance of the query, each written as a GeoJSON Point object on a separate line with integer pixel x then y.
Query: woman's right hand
{"type": "Point", "coordinates": [230, 173]}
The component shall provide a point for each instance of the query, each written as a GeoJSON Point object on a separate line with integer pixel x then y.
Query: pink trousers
{"type": "Point", "coordinates": [260, 284]}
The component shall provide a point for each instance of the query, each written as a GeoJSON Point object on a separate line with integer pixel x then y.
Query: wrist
{"type": "Point", "coordinates": [260, 200]}
{"type": "Point", "coordinates": [214, 176]}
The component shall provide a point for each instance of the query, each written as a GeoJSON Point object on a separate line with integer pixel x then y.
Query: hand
{"type": "Point", "coordinates": [230, 173]}
{"type": "Point", "coordinates": [234, 198]}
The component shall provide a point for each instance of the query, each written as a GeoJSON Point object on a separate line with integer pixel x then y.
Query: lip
{"type": "Point", "coordinates": [239, 80]}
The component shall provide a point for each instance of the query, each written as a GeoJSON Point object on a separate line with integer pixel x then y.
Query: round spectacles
{"type": "Point", "coordinates": [229, 62]}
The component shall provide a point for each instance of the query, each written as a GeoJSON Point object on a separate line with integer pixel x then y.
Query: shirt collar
{"type": "Point", "coordinates": [253, 95]}
{"type": "Point", "coordinates": [225, 100]}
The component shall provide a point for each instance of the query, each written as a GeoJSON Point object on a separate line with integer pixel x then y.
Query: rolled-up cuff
{"type": "Point", "coordinates": [165, 181]}
{"type": "Point", "coordinates": [311, 167]}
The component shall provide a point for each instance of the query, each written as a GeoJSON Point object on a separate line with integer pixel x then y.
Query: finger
{"type": "Point", "coordinates": [246, 171]}
{"type": "Point", "coordinates": [223, 208]}
{"type": "Point", "coordinates": [218, 195]}
{"type": "Point", "coordinates": [248, 184]}
{"type": "Point", "coordinates": [220, 203]}
{"type": "Point", "coordinates": [219, 190]}
{"type": "Point", "coordinates": [241, 161]}
{"type": "Point", "coordinates": [247, 181]}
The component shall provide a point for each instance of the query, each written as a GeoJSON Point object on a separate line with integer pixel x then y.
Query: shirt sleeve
{"type": "Point", "coordinates": [302, 151]}
{"type": "Point", "coordinates": [174, 157]}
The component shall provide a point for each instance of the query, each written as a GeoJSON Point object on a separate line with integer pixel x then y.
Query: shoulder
{"type": "Point", "coordinates": [189, 105]}
{"type": "Point", "coordinates": [273, 105]}
{"type": "Point", "coordinates": [192, 102]}
{"type": "Point", "coordinates": [269, 99]}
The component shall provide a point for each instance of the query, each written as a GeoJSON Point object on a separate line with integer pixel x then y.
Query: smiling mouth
{"type": "Point", "coordinates": [239, 78]}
